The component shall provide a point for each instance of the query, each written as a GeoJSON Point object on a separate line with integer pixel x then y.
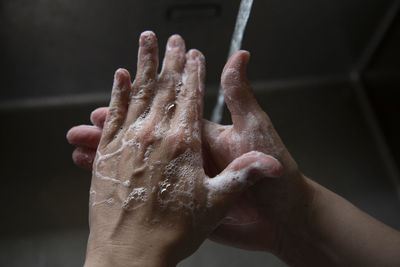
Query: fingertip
{"type": "Point", "coordinates": [244, 54]}
{"type": "Point", "coordinates": [147, 62]}
{"type": "Point", "coordinates": [147, 38]}
{"type": "Point", "coordinates": [270, 166]}
{"type": "Point", "coordinates": [98, 116]}
{"type": "Point", "coordinates": [174, 59]}
{"type": "Point", "coordinates": [245, 57]}
{"type": "Point", "coordinates": [83, 157]}
{"type": "Point", "coordinates": [174, 41]}
{"type": "Point", "coordinates": [122, 80]}
{"type": "Point", "coordinates": [196, 62]}
{"type": "Point", "coordinates": [257, 162]}
{"type": "Point", "coordinates": [235, 68]}
{"type": "Point", "coordinates": [176, 35]}
{"type": "Point", "coordinates": [70, 135]}
{"type": "Point", "coordinates": [122, 74]}
{"type": "Point", "coordinates": [84, 136]}
{"type": "Point", "coordinates": [194, 54]}
{"type": "Point", "coordinates": [241, 57]}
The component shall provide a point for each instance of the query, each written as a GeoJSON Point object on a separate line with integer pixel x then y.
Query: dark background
{"type": "Point", "coordinates": [327, 73]}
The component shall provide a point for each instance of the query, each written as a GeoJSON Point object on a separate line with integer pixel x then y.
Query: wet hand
{"type": "Point", "coordinates": [151, 203]}
{"type": "Point", "coordinates": [270, 205]}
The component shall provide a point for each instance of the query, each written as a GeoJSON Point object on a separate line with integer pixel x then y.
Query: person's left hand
{"type": "Point", "coordinates": [151, 203]}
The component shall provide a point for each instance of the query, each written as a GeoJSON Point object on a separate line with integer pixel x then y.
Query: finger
{"type": "Point", "coordinates": [98, 116]}
{"type": "Point", "coordinates": [84, 136]}
{"type": "Point", "coordinates": [144, 84]}
{"type": "Point", "coordinates": [239, 175]}
{"type": "Point", "coordinates": [174, 60]}
{"type": "Point", "coordinates": [84, 157]}
{"type": "Point", "coordinates": [189, 110]}
{"type": "Point", "coordinates": [237, 91]}
{"type": "Point", "coordinates": [118, 105]}
{"type": "Point", "coordinates": [170, 79]}
{"type": "Point", "coordinates": [147, 64]}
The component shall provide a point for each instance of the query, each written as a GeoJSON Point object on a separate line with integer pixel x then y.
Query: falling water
{"type": "Point", "coordinates": [241, 21]}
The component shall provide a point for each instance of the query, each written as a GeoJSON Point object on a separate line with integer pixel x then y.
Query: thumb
{"type": "Point", "coordinates": [237, 90]}
{"type": "Point", "coordinates": [240, 174]}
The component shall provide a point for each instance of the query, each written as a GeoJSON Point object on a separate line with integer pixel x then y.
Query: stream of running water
{"type": "Point", "coordinates": [236, 42]}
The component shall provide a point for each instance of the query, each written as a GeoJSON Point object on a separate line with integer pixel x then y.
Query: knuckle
{"type": "Point", "coordinates": [182, 139]}
{"type": "Point", "coordinates": [178, 139]}
{"type": "Point", "coordinates": [143, 88]}
{"type": "Point", "coordinates": [145, 136]}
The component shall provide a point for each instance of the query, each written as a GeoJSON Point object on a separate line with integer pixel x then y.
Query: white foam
{"type": "Point", "coordinates": [135, 199]}
{"type": "Point", "coordinates": [127, 183]}
{"type": "Point", "coordinates": [115, 156]}
{"type": "Point", "coordinates": [149, 149]}
{"type": "Point", "coordinates": [108, 201]}
{"type": "Point", "coordinates": [229, 181]}
{"type": "Point", "coordinates": [178, 87]}
{"type": "Point", "coordinates": [176, 190]}
{"type": "Point", "coordinates": [184, 78]}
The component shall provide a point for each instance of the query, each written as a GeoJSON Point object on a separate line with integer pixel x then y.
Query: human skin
{"type": "Point", "coordinates": [298, 220]}
{"type": "Point", "coordinates": [151, 203]}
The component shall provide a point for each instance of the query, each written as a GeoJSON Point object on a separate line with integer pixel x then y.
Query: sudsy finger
{"type": "Point", "coordinates": [98, 116]}
{"type": "Point", "coordinates": [170, 79]}
{"type": "Point", "coordinates": [174, 60]}
{"type": "Point", "coordinates": [118, 105]}
{"type": "Point", "coordinates": [84, 136]}
{"type": "Point", "coordinates": [144, 85]}
{"type": "Point", "coordinates": [237, 90]}
{"type": "Point", "coordinates": [189, 110]}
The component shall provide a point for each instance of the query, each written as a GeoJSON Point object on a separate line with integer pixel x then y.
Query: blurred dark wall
{"type": "Point", "coordinates": [61, 48]}
{"type": "Point", "coordinates": [382, 83]}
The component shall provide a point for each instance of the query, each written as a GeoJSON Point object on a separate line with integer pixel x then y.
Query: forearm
{"type": "Point", "coordinates": [336, 233]}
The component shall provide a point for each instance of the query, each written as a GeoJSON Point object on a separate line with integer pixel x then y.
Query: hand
{"type": "Point", "coordinates": [266, 211]}
{"type": "Point", "coordinates": [151, 203]}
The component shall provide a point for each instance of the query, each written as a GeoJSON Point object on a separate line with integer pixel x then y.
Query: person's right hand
{"type": "Point", "coordinates": [268, 211]}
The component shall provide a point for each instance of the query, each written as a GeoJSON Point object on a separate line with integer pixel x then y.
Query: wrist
{"type": "Point", "coordinates": [114, 255]}
{"type": "Point", "coordinates": [299, 244]}
{"type": "Point", "coordinates": [285, 212]}
{"type": "Point", "coordinates": [144, 250]}
{"type": "Point", "coordinates": [293, 217]}
{"type": "Point", "coordinates": [138, 256]}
